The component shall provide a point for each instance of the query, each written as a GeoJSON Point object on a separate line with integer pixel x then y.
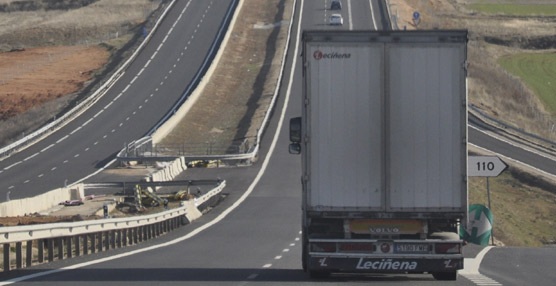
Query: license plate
{"type": "Point", "coordinates": [411, 248]}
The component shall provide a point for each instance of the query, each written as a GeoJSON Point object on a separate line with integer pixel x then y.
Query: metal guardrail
{"type": "Point", "coordinates": [507, 126]}
{"type": "Point", "coordinates": [75, 238]}
{"type": "Point", "coordinates": [82, 106]}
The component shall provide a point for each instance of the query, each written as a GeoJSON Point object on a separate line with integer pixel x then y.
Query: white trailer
{"type": "Point", "coordinates": [383, 141]}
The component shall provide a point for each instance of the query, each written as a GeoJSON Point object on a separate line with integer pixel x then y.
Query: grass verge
{"type": "Point", "coordinates": [538, 71]}
{"type": "Point", "coordinates": [524, 215]}
{"type": "Point", "coordinates": [516, 9]}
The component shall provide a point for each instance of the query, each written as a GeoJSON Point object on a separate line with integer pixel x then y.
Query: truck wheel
{"type": "Point", "coordinates": [445, 276]}
{"type": "Point", "coordinates": [313, 274]}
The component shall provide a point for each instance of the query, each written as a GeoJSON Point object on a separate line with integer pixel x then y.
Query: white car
{"type": "Point", "coordinates": [336, 19]}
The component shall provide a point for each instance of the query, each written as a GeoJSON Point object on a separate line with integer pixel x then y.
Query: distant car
{"type": "Point", "coordinates": [336, 19]}
{"type": "Point", "coordinates": [336, 5]}
{"type": "Point", "coordinates": [71, 203]}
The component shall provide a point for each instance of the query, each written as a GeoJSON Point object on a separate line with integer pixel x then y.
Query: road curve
{"type": "Point", "coordinates": [258, 242]}
{"type": "Point", "coordinates": [149, 88]}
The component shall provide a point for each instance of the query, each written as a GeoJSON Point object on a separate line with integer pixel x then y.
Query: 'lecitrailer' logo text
{"type": "Point", "coordinates": [318, 55]}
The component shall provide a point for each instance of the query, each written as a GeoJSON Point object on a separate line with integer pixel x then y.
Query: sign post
{"type": "Point", "coordinates": [485, 166]}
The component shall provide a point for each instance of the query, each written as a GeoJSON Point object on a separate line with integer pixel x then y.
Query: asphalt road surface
{"type": "Point", "coordinates": [253, 236]}
{"type": "Point", "coordinates": [140, 98]}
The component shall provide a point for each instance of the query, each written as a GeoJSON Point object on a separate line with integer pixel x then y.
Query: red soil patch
{"type": "Point", "coordinates": [34, 76]}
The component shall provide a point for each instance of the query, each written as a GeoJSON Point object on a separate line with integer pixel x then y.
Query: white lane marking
{"type": "Point", "coordinates": [161, 83]}
{"type": "Point", "coordinates": [252, 276]}
{"type": "Point", "coordinates": [297, 239]}
{"type": "Point", "coordinates": [11, 187]}
{"type": "Point", "coordinates": [133, 80]}
{"type": "Point", "coordinates": [87, 149]}
{"type": "Point", "coordinates": [147, 63]}
{"type": "Point", "coordinates": [127, 119]}
{"type": "Point", "coordinates": [164, 40]}
{"type": "Point", "coordinates": [471, 265]}
{"type": "Point", "coordinates": [120, 125]}
{"type": "Point", "coordinates": [98, 113]}
{"type": "Point", "coordinates": [154, 55]}
{"type": "Point", "coordinates": [471, 269]}
{"type": "Point", "coordinates": [219, 218]}
{"type": "Point", "coordinates": [118, 96]}
{"type": "Point", "coordinates": [373, 14]}
{"type": "Point", "coordinates": [267, 265]}
{"type": "Point", "coordinates": [53, 168]}
{"type": "Point", "coordinates": [350, 15]}
{"type": "Point", "coordinates": [49, 146]}
{"type": "Point", "coordinates": [141, 71]}
{"type": "Point", "coordinates": [286, 250]}
{"type": "Point", "coordinates": [40, 176]}
{"type": "Point", "coordinates": [146, 100]}
{"type": "Point", "coordinates": [87, 122]}
{"type": "Point", "coordinates": [152, 94]}
{"type": "Point", "coordinates": [65, 161]}
{"type": "Point", "coordinates": [104, 137]}
{"type": "Point", "coordinates": [481, 280]}
{"type": "Point", "coordinates": [62, 139]}
{"type": "Point", "coordinates": [108, 105]}
{"type": "Point", "coordinates": [140, 106]}
{"type": "Point", "coordinates": [278, 257]}
{"type": "Point", "coordinates": [126, 88]}
{"type": "Point", "coordinates": [76, 155]}
{"type": "Point", "coordinates": [159, 46]}
{"type": "Point", "coordinates": [30, 157]}
{"type": "Point", "coordinates": [292, 244]}
{"type": "Point", "coordinates": [27, 181]}
{"type": "Point", "coordinates": [113, 130]}
{"type": "Point", "coordinates": [75, 130]}
{"type": "Point", "coordinates": [97, 141]}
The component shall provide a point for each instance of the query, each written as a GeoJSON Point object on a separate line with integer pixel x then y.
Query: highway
{"type": "Point", "coordinates": [149, 88]}
{"type": "Point", "coordinates": [253, 236]}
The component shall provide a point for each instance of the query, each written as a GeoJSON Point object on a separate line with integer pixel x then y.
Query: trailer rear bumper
{"type": "Point", "coordinates": [331, 263]}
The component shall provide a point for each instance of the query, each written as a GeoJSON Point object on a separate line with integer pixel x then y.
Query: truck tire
{"type": "Point", "coordinates": [445, 276]}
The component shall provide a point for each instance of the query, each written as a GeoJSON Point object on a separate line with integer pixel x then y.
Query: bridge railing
{"type": "Point", "coordinates": [57, 241]}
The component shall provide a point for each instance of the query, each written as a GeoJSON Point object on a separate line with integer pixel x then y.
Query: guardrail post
{"type": "Point", "coordinates": [85, 244]}
{"type": "Point", "coordinates": [18, 255]}
{"type": "Point", "coordinates": [77, 245]}
{"type": "Point", "coordinates": [99, 240]}
{"type": "Point", "coordinates": [119, 243]}
{"type": "Point", "coordinates": [93, 242]}
{"type": "Point", "coordinates": [29, 253]}
{"type": "Point", "coordinates": [60, 242]}
{"type": "Point", "coordinates": [113, 239]}
{"type": "Point", "coordinates": [135, 235]}
{"type": "Point", "coordinates": [68, 246]}
{"type": "Point", "coordinates": [41, 250]}
{"type": "Point", "coordinates": [6, 257]}
{"type": "Point", "coordinates": [106, 240]}
{"type": "Point", "coordinates": [50, 246]}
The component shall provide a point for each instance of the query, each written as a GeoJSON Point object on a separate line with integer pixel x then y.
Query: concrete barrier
{"type": "Point", "coordinates": [169, 171]}
{"type": "Point", "coordinates": [42, 202]}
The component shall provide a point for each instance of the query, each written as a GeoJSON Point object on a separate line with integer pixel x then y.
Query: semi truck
{"type": "Point", "coordinates": [383, 143]}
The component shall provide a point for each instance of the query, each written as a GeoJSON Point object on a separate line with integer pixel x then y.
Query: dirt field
{"type": "Point", "coordinates": [49, 55]}
{"type": "Point", "coordinates": [39, 75]}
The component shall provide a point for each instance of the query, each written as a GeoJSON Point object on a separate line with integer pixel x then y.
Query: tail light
{"type": "Point", "coordinates": [448, 248]}
{"type": "Point", "coordinates": [323, 247]}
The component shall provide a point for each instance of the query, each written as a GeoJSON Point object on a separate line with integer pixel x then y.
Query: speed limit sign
{"type": "Point", "coordinates": [485, 166]}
